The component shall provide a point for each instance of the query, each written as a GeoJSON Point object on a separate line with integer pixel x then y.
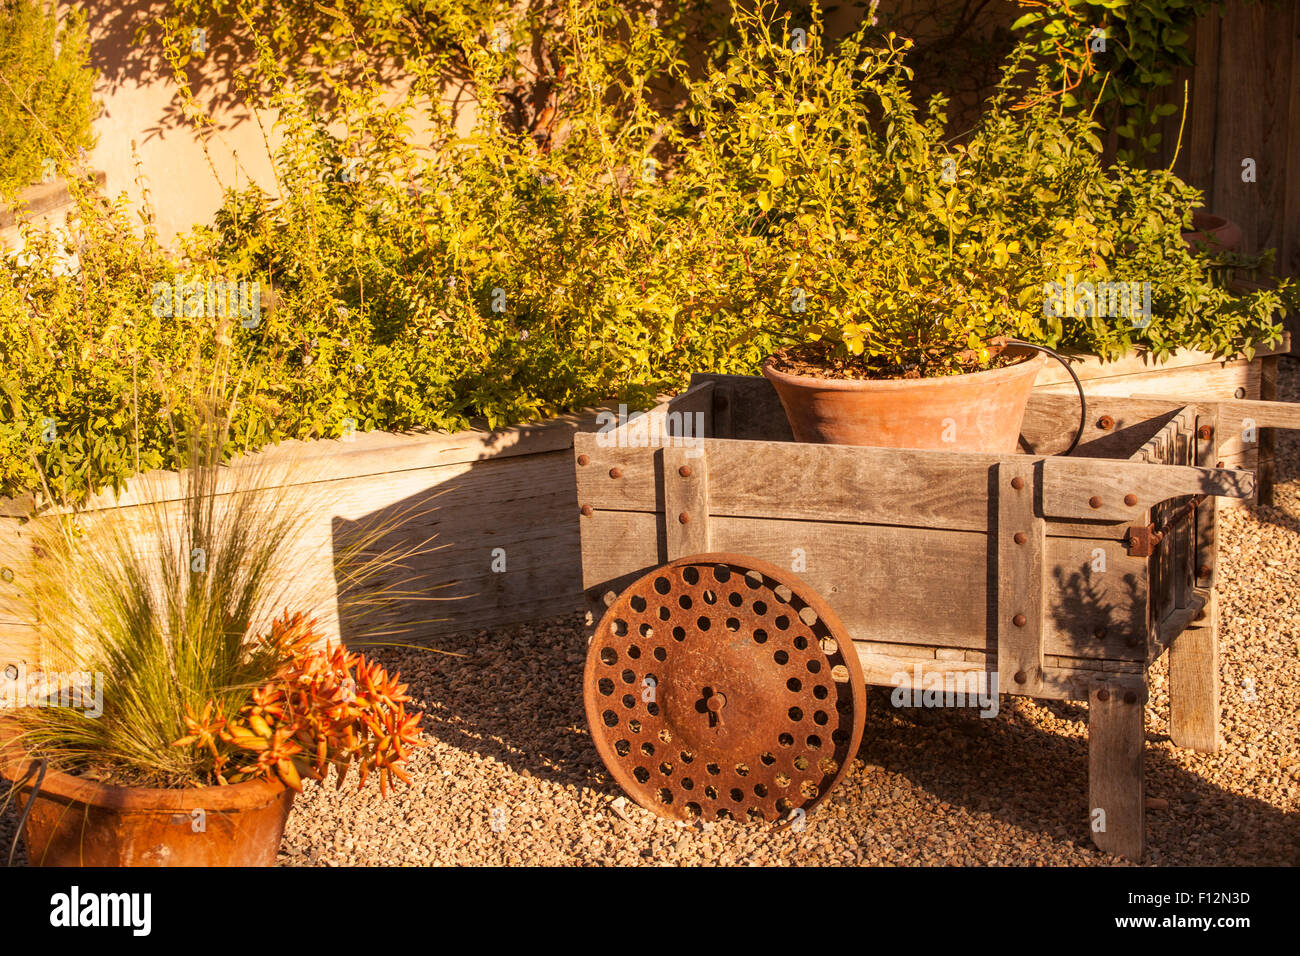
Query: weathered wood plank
{"type": "Point", "coordinates": [1099, 377]}
{"type": "Point", "coordinates": [886, 486]}
{"type": "Point", "coordinates": [504, 546]}
{"type": "Point", "coordinates": [683, 419]}
{"type": "Point", "coordinates": [1207, 550]}
{"type": "Point", "coordinates": [901, 665]}
{"type": "Point", "coordinates": [365, 454]}
{"type": "Point", "coordinates": [1019, 543]}
{"type": "Point", "coordinates": [1115, 427]}
{"type": "Point", "coordinates": [1202, 126]}
{"type": "Point", "coordinates": [751, 406]}
{"type": "Point", "coordinates": [1178, 619]}
{"type": "Point", "coordinates": [1239, 414]}
{"type": "Point", "coordinates": [1194, 706]}
{"type": "Point", "coordinates": [685, 480]}
{"type": "Point", "coordinates": [1116, 745]}
{"type": "Point", "coordinates": [814, 482]}
{"type": "Point", "coordinates": [1078, 489]}
{"type": "Point", "coordinates": [1288, 259]}
{"type": "Point", "coordinates": [1267, 431]}
{"type": "Point", "coordinates": [899, 585]}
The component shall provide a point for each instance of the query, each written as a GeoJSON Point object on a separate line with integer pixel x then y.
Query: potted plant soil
{"type": "Point", "coordinates": [175, 712]}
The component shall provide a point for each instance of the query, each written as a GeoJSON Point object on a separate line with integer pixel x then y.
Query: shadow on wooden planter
{"type": "Point", "coordinates": [502, 549]}
{"type": "Point", "coordinates": [500, 508]}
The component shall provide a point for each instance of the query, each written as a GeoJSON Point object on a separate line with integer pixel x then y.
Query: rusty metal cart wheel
{"type": "Point", "coordinates": [719, 686]}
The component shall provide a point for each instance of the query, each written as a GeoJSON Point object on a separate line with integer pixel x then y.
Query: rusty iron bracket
{"type": "Point", "coordinates": [1142, 540]}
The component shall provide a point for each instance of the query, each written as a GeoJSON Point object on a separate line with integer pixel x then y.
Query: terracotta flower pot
{"type": "Point", "coordinates": [79, 822]}
{"type": "Point", "coordinates": [1214, 232]}
{"type": "Point", "coordinates": [978, 412]}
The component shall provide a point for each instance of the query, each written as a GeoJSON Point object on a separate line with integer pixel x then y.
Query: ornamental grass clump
{"type": "Point", "coordinates": [173, 605]}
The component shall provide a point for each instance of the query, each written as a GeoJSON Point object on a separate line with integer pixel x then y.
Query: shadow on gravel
{"type": "Point", "coordinates": [1038, 780]}
{"type": "Point", "coordinates": [1286, 451]}
{"type": "Point", "coordinates": [517, 698]}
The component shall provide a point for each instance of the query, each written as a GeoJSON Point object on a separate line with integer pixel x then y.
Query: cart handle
{"type": "Point", "coordinates": [1073, 490]}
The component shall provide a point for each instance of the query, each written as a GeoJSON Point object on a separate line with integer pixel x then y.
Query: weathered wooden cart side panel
{"type": "Point", "coordinates": [916, 550]}
{"type": "Point", "coordinates": [901, 585]}
{"type": "Point", "coordinates": [924, 489]}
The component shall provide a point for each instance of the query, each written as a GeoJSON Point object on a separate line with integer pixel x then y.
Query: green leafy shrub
{"type": "Point", "coordinates": [46, 106]}
{"type": "Point", "coordinates": [481, 277]}
{"type": "Point", "coordinates": [861, 224]}
{"type": "Point", "coordinates": [1120, 54]}
{"type": "Point", "coordinates": [416, 271]}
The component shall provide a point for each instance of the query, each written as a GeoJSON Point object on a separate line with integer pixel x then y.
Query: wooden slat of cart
{"type": "Point", "coordinates": [1077, 488]}
{"type": "Point", "coordinates": [1194, 682]}
{"type": "Point", "coordinates": [906, 665]}
{"type": "Point", "coordinates": [925, 489]}
{"type": "Point", "coordinates": [904, 585]}
{"type": "Point", "coordinates": [1207, 454]}
{"type": "Point", "coordinates": [1018, 541]}
{"type": "Point", "coordinates": [685, 478]}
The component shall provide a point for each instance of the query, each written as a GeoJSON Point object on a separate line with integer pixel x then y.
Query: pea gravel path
{"type": "Point", "coordinates": [510, 775]}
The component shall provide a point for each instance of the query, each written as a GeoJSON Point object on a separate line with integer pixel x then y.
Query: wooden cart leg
{"type": "Point", "coordinates": [1194, 684]}
{"type": "Point", "coordinates": [1267, 449]}
{"type": "Point", "coordinates": [1116, 741]}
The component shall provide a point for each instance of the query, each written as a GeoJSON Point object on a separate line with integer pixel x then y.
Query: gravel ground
{"type": "Point", "coordinates": [510, 775]}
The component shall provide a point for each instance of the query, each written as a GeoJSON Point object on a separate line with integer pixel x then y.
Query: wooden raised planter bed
{"type": "Point", "coordinates": [498, 506]}
{"type": "Point", "coordinates": [1041, 571]}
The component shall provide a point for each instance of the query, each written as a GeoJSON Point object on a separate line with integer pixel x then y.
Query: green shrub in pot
{"type": "Point", "coordinates": [860, 223]}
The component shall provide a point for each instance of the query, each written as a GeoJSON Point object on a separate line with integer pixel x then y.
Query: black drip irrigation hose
{"type": "Point", "coordinates": [39, 766]}
{"type": "Point", "coordinates": [1083, 400]}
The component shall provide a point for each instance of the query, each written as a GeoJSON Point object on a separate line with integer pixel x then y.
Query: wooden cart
{"type": "Point", "coordinates": [1059, 577]}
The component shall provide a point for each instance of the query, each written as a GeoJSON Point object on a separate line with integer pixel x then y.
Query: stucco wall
{"type": "Point", "coordinates": [141, 116]}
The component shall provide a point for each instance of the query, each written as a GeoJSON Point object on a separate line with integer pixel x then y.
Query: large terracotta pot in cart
{"type": "Point", "coordinates": [975, 412]}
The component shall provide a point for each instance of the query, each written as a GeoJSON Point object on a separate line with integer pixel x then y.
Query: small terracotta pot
{"type": "Point", "coordinates": [79, 822]}
{"type": "Point", "coordinates": [977, 412]}
{"type": "Point", "coordinates": [1214, 232]}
